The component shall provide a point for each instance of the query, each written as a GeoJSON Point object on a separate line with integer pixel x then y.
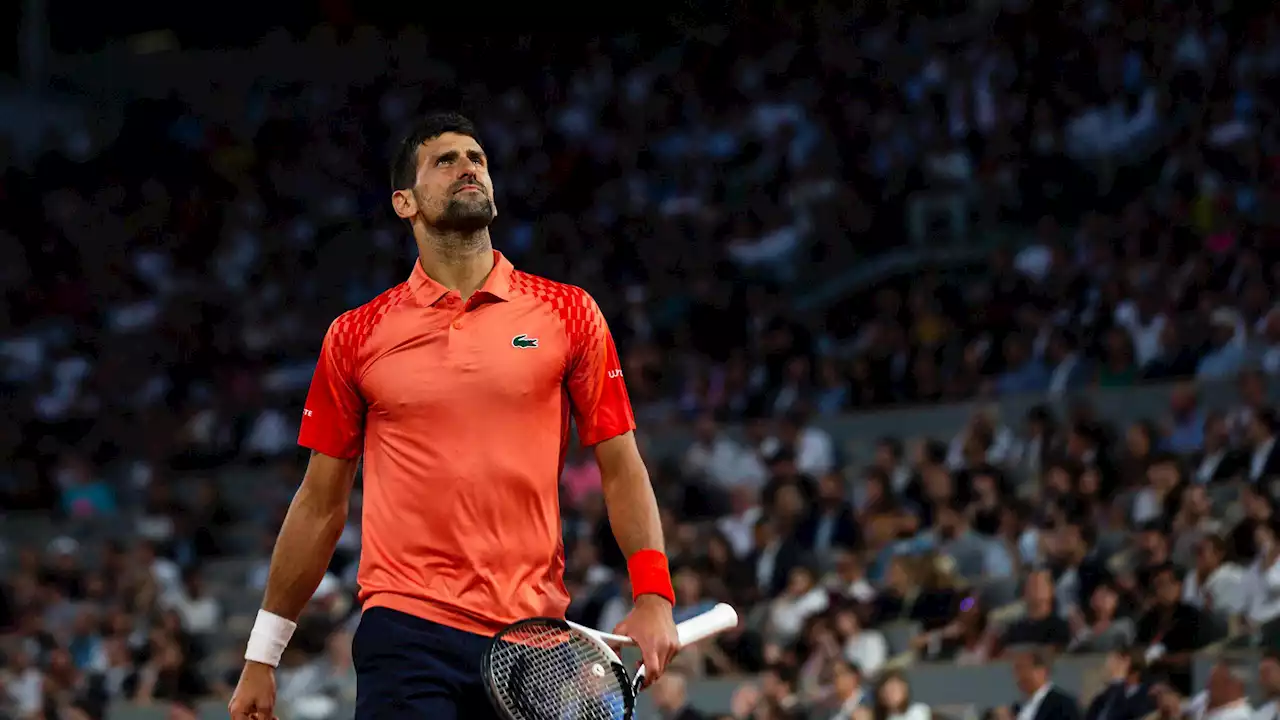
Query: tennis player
{"type": "Point", "coordinates": [456, 387]}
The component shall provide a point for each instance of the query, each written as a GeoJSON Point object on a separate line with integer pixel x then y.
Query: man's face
{"type": "Point", "coordinates": [1039, 588]}
{"type": "Point", "coordinates": [1207, 557]}
{"type": "Point", "coordinates": [1168, 589]}
{"type": "Point", "coordinates": [1027, 675]}
{"type": "Point", "coordinates": [452, 191]}
{"type": "Point", "coordinates": [1117, 665]}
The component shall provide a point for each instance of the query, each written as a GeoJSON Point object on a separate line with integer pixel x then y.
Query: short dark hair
{"type": "Point", "coordinates": [1163, 569]}
{"type": "Point", "coordinates": [1136, 657]}
{"type": "Point", "coordinates": [1039, 657]}
{"type": "Point", "coordinates": [404, 166]}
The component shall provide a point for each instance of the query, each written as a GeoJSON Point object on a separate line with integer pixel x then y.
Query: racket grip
{"type": "Point", "coordinates": [718, 619]}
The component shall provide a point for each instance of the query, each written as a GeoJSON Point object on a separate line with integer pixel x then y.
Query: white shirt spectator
{"type": "Point", "coordinates": [166, 574]}
{"type": "Point", "coordinates": [868, 650]}
{"type": "Point", "coordinates": [1146, 335]}
{"type": "Point", "coordinates": [788, 615]}
{"type": "Point", "coordinates": [725, 462]}
{"type": "Point", "coordinates": [1226, 587]}
{"type": "Point", "coordinates": [815, 451]}
{"type": "Point", "coordinates": [740, 529]}
{"type": "Point", "coordinates": [200, 616]}
{"type": "Point", "coordinates": [916, 711]}
{"type": "Point", "coordinates": [1238, 710]}
{"type": "Point", "coordinates": [1264, 592]}
{"type": "Point", "coordinates": [1004, 444]}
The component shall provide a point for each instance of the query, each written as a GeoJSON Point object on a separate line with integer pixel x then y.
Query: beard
{"type": "Point", "coordinates": [467, 213]}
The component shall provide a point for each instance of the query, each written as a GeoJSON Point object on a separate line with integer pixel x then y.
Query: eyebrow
{"type": "Point", "coordinates": [472, 153]}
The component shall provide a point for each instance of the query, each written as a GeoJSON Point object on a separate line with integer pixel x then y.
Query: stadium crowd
{"type": "Point", "coordinates": [163, 302]}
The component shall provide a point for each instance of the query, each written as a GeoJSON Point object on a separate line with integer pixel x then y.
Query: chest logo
{"type": "Point", "coordinates": [524, 341]}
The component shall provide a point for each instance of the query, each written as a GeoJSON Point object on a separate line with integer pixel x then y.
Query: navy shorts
{"type": "Point", "coordinates": [408, 668]}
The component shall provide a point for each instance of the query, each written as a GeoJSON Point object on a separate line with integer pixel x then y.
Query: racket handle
{"type": "Point", "coordinates": [718, 619]}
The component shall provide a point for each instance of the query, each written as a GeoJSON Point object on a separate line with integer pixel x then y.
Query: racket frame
{"type": "Point", "coordinates": [629, 687]}
{"type": "Point", "coordinates": [718, 619]}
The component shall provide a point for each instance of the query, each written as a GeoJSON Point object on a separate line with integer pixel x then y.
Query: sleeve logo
{"type": "Point", "coordinates": [524, 341]}
{"type": "Point", "coordinates": [615, 373]}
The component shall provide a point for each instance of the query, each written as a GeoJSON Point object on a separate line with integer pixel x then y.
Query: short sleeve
{"type": "Point", "coordinates": [333, 417]}
{"type": "Point", "coordinates": [597, 389]}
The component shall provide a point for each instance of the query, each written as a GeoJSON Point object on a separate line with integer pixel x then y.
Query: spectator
{"type": "Point", "coordinates": [1042, 701]}
{"type": "Point", "coordinates": [831, 523]}
{"type": "Point", "coordinates": [1127, 695]}
{"type": "Point", "coordinates": [1219, 461]}
{"type": "Point", "coordinates": [1263, 581]}
{"type": "Point", "coordinates": [865, 648]}
{"type": "Point", "coordinates": [801, 600]}
{"type": "Point", "coordinates": [1082, 570]}
{"type": "Point", "coordinates": [974, 556]}
{"type": "Point", "coordinates": [1269, 686]}
{"type": "Point", "coordinates": [893, 701]}
{"type": "Point", "coordinates": [1223, 698]}
{"type": "Point", "coordinates": [720, 459]}
{"type": "Point", "coordinates": [201, 613]}
{"type": "Point", "coordinates": [1214, 584]}
{"type": "Point", "coordinates": [1102, 629]}
{"type": "Point", "coordinates": [1264, 461]}
{"type": "Point", "coordinates": [965, 640]}
{"type": "Point", "coordinates": [775, 559]}
{"type": "Point", "coordinates": [1226, 355]}
{"type": "Point", "coordinates": [848, 695]}
{"type": "Point", "coordinates": [1194, 521]}
{"type": "Point", "coordinates": [1041, 626]}
{"type": "Point", "coordinates": [670, 696]}
{"type": "Point", "coordinates": [1171, 630]}
{"type": "Point", "coordinates": [83, 495]}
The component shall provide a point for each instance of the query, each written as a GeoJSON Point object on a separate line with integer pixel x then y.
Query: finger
{"type": "Point", "coordinates": [653, 663]}
{"type": "Point", "coordinates": [673, 649]}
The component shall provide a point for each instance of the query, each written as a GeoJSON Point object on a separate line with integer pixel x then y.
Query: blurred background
{"type": "Point", "coordinates": [951, 330]}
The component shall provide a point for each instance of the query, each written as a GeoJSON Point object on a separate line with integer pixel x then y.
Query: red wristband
{"type": "Point", "coordinates": [650, 575]}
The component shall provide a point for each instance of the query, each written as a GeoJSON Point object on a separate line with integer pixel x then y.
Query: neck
{"type": "Point", "coordinates": [458, 261]}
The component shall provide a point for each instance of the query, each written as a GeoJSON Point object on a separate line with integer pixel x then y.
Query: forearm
{"type": "Point", "coordinates": [633, 509]}
{"type": "Point", "coordinates": [303, 550]}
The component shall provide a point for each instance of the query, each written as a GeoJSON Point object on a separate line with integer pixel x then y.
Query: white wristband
{"type": "Point", "coordinates": [269, 637]}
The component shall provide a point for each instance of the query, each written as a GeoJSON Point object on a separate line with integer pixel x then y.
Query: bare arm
{"type": "Point", "coordinates": [628, 495]}
{"type": "Point", "coordinates": [309, 535]}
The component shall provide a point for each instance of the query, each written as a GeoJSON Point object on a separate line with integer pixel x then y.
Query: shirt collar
{"type": "Point", "coordinates": [497, 284]}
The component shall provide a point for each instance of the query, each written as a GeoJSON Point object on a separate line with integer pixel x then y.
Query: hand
{"type": "Point", "coordinates": [650, 624]}
{"type": "Point", "coordinates": [255, 695]}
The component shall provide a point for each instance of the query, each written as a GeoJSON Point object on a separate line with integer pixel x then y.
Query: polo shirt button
{"type": "Point", "coordinates": [457, 324]}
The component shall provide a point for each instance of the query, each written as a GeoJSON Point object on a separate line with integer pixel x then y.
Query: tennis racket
{"type": "Point", "coordinates": [550, 669]}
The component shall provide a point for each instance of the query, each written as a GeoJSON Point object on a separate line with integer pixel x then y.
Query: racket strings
{"type": "Point", "coordinates": [540, 671]}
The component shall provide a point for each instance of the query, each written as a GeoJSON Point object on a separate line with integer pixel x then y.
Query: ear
{"type": "Point", "coordinates": [404, 203]}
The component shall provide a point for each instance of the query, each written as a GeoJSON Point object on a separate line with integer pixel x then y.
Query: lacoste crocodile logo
{"type": "Point", "coordinates": [524, 341]}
